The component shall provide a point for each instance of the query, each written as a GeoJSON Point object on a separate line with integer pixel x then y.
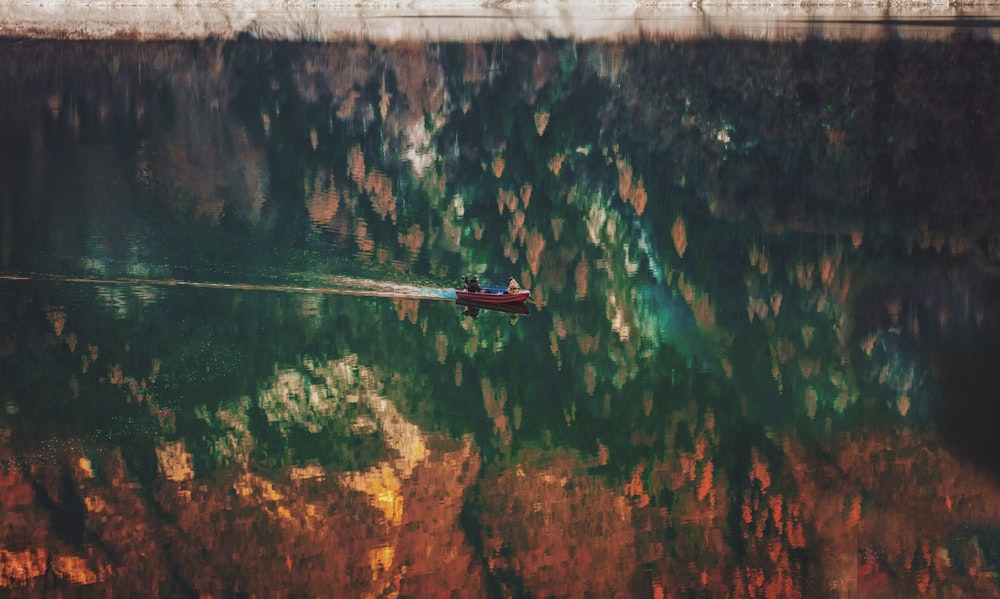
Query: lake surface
{"type": "Point", "coordinates": [758, 358]}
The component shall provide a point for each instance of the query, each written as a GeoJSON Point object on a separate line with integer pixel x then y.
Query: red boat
{"type": "Point", "coordinates": [474, 306]}
{"type": "Point", "coordinates": [493, 296]}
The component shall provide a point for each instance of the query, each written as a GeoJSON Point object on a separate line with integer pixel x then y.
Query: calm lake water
{"type": "Point", "coordinates": [758, 358]}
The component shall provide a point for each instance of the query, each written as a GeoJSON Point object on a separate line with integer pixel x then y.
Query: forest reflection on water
{"type": "Point", "coordinates": [757, 360]}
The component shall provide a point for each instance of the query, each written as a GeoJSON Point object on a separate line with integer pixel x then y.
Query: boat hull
{"type": "Point", "coordinates": [490, 297]}
{"type": "Point", "coordinates": [511, 308]}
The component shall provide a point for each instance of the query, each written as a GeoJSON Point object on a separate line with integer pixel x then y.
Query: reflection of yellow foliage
{"type": "Point", "coordinates": [310, 472]}
{"type": "Point", "coordinates": [381, 560]}
{"type": "Point", "coordinates": [382, 485]}
{"type": "Point", "coordinates": [441, 343]}
{"type": "Point", "coordinates": [679, 234]}
{"type": "Point", "coordinates": [74, 569]}
{"type": "Point", "coordinates": [498, 166]}
{"type": "Point", "coordinates": [590, 378]}
{"type": "Point", "coordinates": [406, 308]}
{"type": "Point", "coordinates": [175, 462]}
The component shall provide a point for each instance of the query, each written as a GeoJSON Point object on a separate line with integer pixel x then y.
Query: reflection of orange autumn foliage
{"type": "Point", "coordinates": [406, 308]}
{"type": "Point", "coordinates": [71, 341]}
{"type": "Point", "coordinates": [555, 165]}
{"type": "Point", "coordinates": [804, 275]}
{"type": "Point", "coordinates": [356, 165]}
{"type": "Point", "coordinates": [526, 194]}
{"type": "Point", "coordinates": [903, 404]}
{"type": "Point", "coordinates": [494, 402]}
{"type": "Point", "coordinates": [679, 234]}
{"type": "Point", "coordinates": [580, 275]}
{"type": "Point", "coordinates": [812, 402]}
{"type": "Point", "coordinates": [412, 240]}
{"type": "Point", "coordinates": [588, 343]}
{"type": "Point", "coordinates": [868, 344]}
{"type": "Point", "coordinates": [379, 189]}
{"type": "Point", "coordinates": [498, 166]}
{"type": "Point", "coordinates": [115, 376]}
{"type": "Point", "coordinates": [541, 121]}
{"type": "Point", "coordinates": [776, 303]}
{"type": "Point", "coordinates": [14, 489]}
{"type": "Point", "coordinates": [534, 245]}
{"type": "Point", "coordinates": [506, 199]}
{"type": "Point", "coordinates": [705, 486]}
{"type": "Point", "coordinates": [441, 344]}
{"type": "Point", "coordinates": [631, 191]}
{"type": "Point", "coordinates": [758, 470]}
{"type": "Point", "coordinates": [323, 205]}
{"type": "Point", "coordinates": [365, 243]}
{"type": "Point", "coordinates": [704, 311]}
{"type": "Point", "coordinates": [557, 530]}
{"type": "Point", "coordinates": [854, 514]}
{"type": "Point", "coordinates": [516, 227]}
{"type": "Point", "coordinates": [57, 318]}
{"type": "Point", "coordinates": [590, 378]}
{"type": "Point", "coordinates": [635, 489]}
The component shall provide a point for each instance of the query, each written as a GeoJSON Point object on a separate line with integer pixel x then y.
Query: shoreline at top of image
{"type": "Point", "coordinates": [386, 21]}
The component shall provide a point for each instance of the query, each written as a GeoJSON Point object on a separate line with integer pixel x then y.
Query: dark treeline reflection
{"type": "Point", "coordinates": [757, 362]}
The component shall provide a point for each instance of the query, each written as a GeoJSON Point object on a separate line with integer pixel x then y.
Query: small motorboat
{"type": "Point", "coordinates": [493, 296]}
{"type": "Point", "coordinates": [511, 308]}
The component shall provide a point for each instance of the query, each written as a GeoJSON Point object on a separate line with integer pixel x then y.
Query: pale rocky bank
{"type": "Point", "coordinates": [471, 20]}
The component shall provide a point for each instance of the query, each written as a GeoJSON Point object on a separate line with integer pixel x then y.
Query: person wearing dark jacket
{"type": "Point", "coordinates": [472, 284]}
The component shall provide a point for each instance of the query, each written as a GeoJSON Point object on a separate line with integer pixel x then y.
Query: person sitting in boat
{"type": "Point", "coordinates": [472, 284]}
{"type": "Point", "coordinates": [512, 286]}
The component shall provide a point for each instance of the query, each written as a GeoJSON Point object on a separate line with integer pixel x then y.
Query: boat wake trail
{"type": "Point", "coordinates": [328, 285]}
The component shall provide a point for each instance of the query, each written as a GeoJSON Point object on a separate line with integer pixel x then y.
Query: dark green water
{"type": "Point", "coordinates": [758, 357]}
